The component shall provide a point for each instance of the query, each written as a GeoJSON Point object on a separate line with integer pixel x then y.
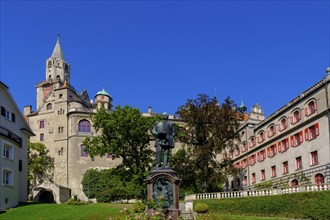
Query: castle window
{"type": "Point", "coordinates": [252, 159]}
{"type": "Point", "coordinates": [42, 137]}
{"type": "Point", "coordinates": [244, 147]}
{"type": "Point", "coordinates": [58, 77]}
{"type": "Point", "coordinates": [283, 124]}
{"type": "Point", "coordinates": [49, 106]}
{"type": "Point", "coordinates": [49, 63]}
{"type": "Point", "coordinates": [42, 124]}
{"type": "Point", "coordinates": [60, 96]}
{"type": "Point", "coordinates": [285, 167]}
{"type": "Point", "coordinates": [253, 177]}
{"type": "Point", "coordinates": [84, 126]}
{"type": "Point", "coordinates": [261, 155]}
{"type": "Point", "coordinates": [298, 163]}
{"type": "Point", "coordinates": [263, 175]}
{"type": "Point", "coordinates": [295, 117]}
{"type": "Point", "coordinates": [271, 131]}
{"type": "Point", "coordinates": [314, 158]}
{"type": "Point", "coordinates": [261, 137]}
{"type": "Point", "coordinates": [49, 77]}
{"type": "Point", "coordinates": [252, 142]}
{"type": "Point", "coordinates": [83, 151]}
{"type": "Point", "coordinates": [271, 151]}
{"type": "Point", "coordinates": [310, 108]}
{"type": "Point", "coordinates": [312, 132]}
{"type": "Point", "coordinates": [273, 171]}
{"type": "Point", "coordinates": [283, 145]}
{"type": "Point", "coordinates": [296, 139]}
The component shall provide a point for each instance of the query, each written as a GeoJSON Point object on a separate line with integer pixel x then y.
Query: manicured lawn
{"type": "Point", "coordinates": [98, 211]}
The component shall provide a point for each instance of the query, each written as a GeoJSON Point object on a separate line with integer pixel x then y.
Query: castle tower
{"type": "Point", "coordinates": [103, 99]}
{"type": "Point", "coordinates": [57, 69]}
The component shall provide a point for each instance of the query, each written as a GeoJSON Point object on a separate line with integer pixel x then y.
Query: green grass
{"type": "Point", "coordinates": [98, 211]}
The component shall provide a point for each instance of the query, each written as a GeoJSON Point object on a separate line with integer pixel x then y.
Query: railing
{"type": "Point", "coordinates": [248, 193]}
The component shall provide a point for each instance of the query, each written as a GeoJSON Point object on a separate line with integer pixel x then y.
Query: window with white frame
{"type": "Point", "coordinates": [8, 152]}
{"type": "Point", "coordinates": [7, 177]}
{"type": "Point", "coordinates": [7, 114]}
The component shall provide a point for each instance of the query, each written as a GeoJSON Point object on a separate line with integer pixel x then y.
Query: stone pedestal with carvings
{"type": "Point", "coordinates": [163, 188]}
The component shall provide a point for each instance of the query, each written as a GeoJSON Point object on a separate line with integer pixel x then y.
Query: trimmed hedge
{"type": "Point", "coordinates": [304, 205]}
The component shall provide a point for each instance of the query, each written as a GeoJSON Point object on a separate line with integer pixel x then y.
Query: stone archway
{"type": "Point", "coordinates": [294, 183]}
{"type": "Point", "coordinates": [44, 196]}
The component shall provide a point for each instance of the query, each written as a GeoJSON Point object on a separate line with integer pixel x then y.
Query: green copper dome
{"type": "Point", "coordinates": [103, 92]}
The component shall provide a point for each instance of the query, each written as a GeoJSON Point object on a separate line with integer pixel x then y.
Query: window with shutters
{"type": "Point", "coordinates": [312, 132]}
{"type": "Point", "coordinates": [263, 175]}
{"type": "Point", "coordinates": [271, 131]}
{"type": "Point", "coordinates": [314, 158]}
{"type": "Point", "coordinates": [285, 167]}
{"type": "Point", "coordinates": [283, 145]}
{"type": "Point", "coordinates": [253, 178]}
{"type": "Point", "coordinates": [296, 116]}
{"type": "Point", "coordinates": [261, 136]}
{"type": "Point", "coordinates": [296, 139]}
{"type": "Point", "coordinates": [244, 163]}
{"type": "Point", "coordinates": [261, 155]}
{"type": "Point", "coordinates": [252, 142]}
{"type": "Point", "coordinates": [272, 150]}
{"type": "Point", "coordinates": [298, 163]}
{"type": "Point", "coordinates": [252, 159]}
{"type": "Point", "coordinates": [244, 147]}
{"type": "Point", "coordinates": [273, 171]}
{"type": "Point", "coordinates": [310, 108]}
{"type": "Point", "coordinates": [283, 124]}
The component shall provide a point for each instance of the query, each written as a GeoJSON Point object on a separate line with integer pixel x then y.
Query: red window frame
{"type": "Point", "coordinates": [285, 167]}
{"type": "Point", "coordinates": [283, 124]}
{"type": "Point", "coordinates": [271, 131]}
{"type": "Point", "coordinates": [296, 139]}
{"type": "Point", "coordinates": [252, 142]}
{"type": "Point", "coordinates": [272, 150]}
{"type": "Point", "coordinates": [298, 163]}
{"type": "Point", "coordinates": [273, 171]}
{"type": "Point", "coordinates": [42, 124]}
{"type": "Point", "coordinates": [310, 108]}
{"type": "Point", "coordinates": [312, 132]}
{"type": "Point", "coordinates": [261, 155]}
{"type": "Point", "coordinates": [253, 177]}
{"type": "Point", "coordinates": [296, 116]}
{"type": "Point", "coordinates": [245, 180]}
{"type": "Point", "coordinates": [283, 145]}
{"type": "Point", "coordinates": [314, 158]}
{"type": "Point", "coordinates": [261, 137]}
{"type": "Point", "coordinates": [263, 175]}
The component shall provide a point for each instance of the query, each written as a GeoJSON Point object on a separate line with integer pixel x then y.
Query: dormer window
{"type": "Point", "coordinates": [295, 116]}
{"type": "Point", "coordinates": [310, 108]}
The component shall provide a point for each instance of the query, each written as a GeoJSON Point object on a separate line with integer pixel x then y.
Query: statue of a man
{"type": "Point", "coordinates": [164, 131]}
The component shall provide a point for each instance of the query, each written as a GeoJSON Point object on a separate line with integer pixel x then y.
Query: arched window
{"type": "Point", "coordinates": [282, 124]}
{"type": "Point", "coordinates": [252, 142]}
{"type": "Point", "coordinates": [84, 126]}
{"type": "Point", "coordinates": [271, 130]}
{"type": "Point", "coordinates": [310, 108]}
{"type": "Point", "coordinates": [319, 179]}
{"type": "Point", "coordinates": [261, 136]}
{"type": "Point", "coordinates": [294, 182]}
{"type": "Point", "coordinates": [49, 63]}
{"type": "Point", "coordinates": [295, 116]}
{"type": "Point", "coordinates": [58, 77]}
{"type": "Point", "coordinates": [49, 106]}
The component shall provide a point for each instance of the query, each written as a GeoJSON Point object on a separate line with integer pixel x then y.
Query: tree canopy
{"type": "Point", "coordinates": [40, 164]}
{"type": "Point", "coordinates": [208, 129]}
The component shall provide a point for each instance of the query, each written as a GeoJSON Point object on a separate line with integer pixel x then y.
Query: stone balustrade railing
{"type": "Point", "coordinates": [248, 193]}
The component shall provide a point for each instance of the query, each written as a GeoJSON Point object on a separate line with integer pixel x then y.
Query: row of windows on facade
{"type": "Point", "coordinates": [49, 106]}
{"type": "Point", "coordinates": [84, 152]}
{"type": "Point", "coordinates": [50, 63]}
{"type": "Point", "coordinates": [285, 167]}
{"type": "Point", "coordinates": [8, 114]}
{"type": "Point", "coordinates": [282, 125]}
{"type": "Point", "coordinates": [295, 140]}
{"type": "Point", "coordinates": [83, 126]}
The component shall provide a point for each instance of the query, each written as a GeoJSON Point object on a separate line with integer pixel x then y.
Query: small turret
{"type": "Point", "coordinates": [103, 99]}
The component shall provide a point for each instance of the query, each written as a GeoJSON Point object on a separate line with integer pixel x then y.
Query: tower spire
{"type": "Point", "coordinates": [57, 52]}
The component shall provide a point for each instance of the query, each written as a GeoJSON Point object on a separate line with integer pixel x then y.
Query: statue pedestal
{"type": "Point", "coordinates": [163, 182]}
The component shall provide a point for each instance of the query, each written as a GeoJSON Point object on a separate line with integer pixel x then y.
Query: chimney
{"type": "Point", "coordinates": [27, 109]}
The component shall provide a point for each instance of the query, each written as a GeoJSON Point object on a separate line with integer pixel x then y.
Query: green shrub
{"type": "Point", "coordinates": [138, 207]}
{"type": "Point", "coordinates": [304, 205]}
{"type": "Point", "coordinates": [201, 207]}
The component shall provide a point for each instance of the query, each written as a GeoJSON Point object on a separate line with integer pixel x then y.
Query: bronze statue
{"type": "Point", "coordinates": [164, 131]}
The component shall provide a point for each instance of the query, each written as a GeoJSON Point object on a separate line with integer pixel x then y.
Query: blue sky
{"type": "Point", "coordinates": [161, 53]}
